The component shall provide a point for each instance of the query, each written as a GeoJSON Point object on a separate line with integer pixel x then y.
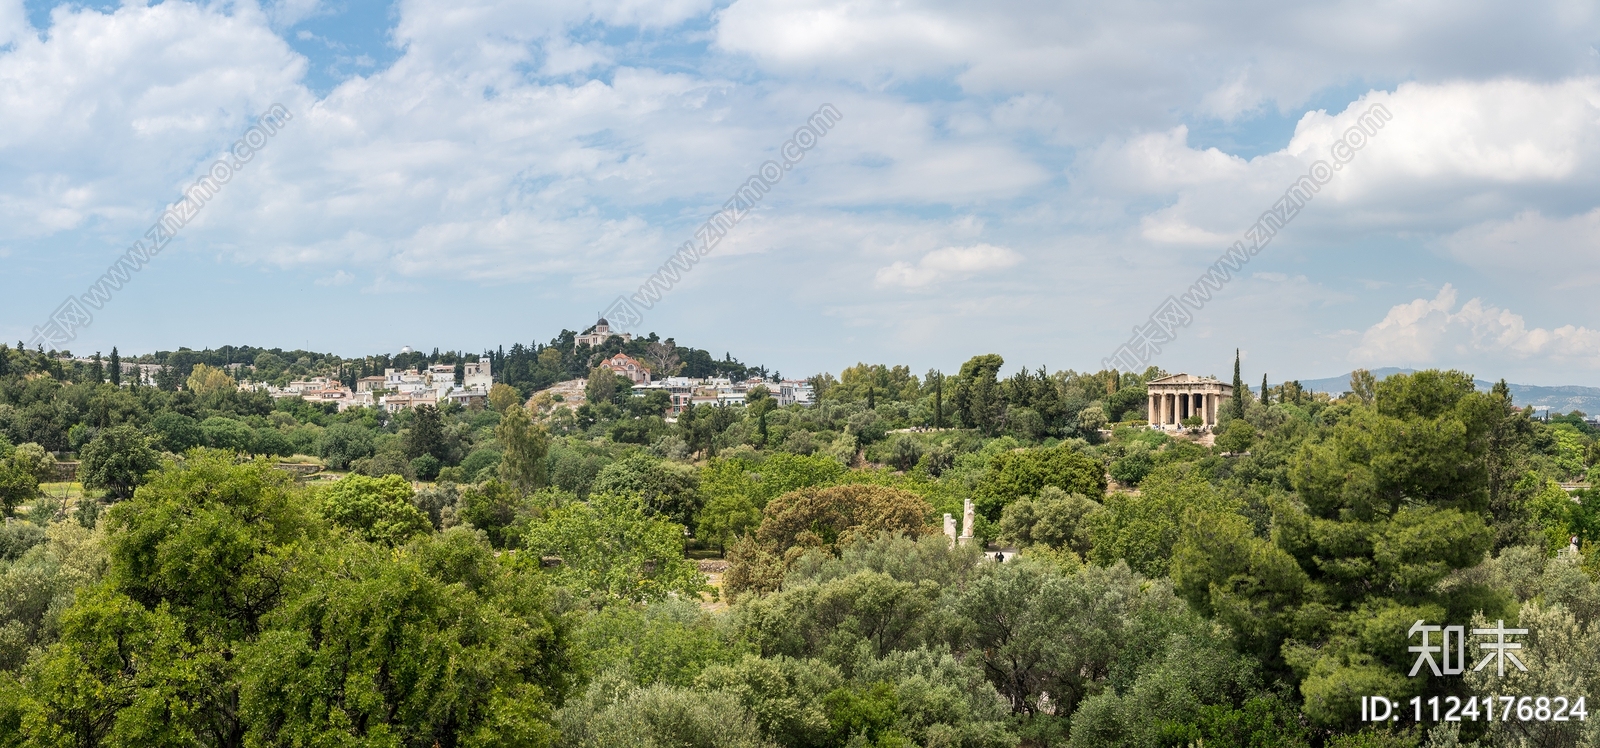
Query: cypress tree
{"type": "Point", "coordinates": [1265, 399]}
{"type": "Point", "coordinates": [938, 401]}
{"type": "Point", "coordinates": [5, 359]}
{"type": "Point", "coordinates": [1238, 387]}
{"type": "Point", "coordinates": [116, 367]}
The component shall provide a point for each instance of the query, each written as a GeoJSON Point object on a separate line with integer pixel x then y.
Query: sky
{"type": "Point", "coordinates": [1033, 179]}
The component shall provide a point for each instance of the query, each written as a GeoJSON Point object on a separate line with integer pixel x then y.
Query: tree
{"type": "Point", "coordinates": [205, 380]}
{"type": "Point", "coordinates": [1364, 387]}
{"type": "Point", "coordinates": [17, 486]}
{"type": "Point", "coordinates": [1265, 396]}
{"type": "Point", "coordinates": [1013, 475]}
{"type": "Point", "coordinates": [377, 510]}
{"type": "Point", "coordinates": [177, 433]}
{"type": "Point", "coordinates": [821, 518]}
{"type": "Point", "coordinates": [116, 367]}
{"type": "Point", "coordinates": [116, 460]}
{"type": "Point", "coordinates": [526, 447]}
{"type": "Point", "coordinates": [1238, 388]}
{"type": "Point", "coordinates": [602, 385]}
{"type": "Point", "coordinates": [1091, 419]}
{"type": "Point", "coordinates": [503, 396]}
{"type": "Point", "coordinates": [978, 398]}
{"type": "Point", "coordinates": [226, 433]}
{"type": "Point", "coordinates": [35, 461]}
{"type": "Point", "coordinates": [440, 645]}
{"type": "Point", "coordinates": [1237, 437]}
{"type": "Point", "coordinates": [343, 443]}
{"type": "Point", "coordinates": [1055, 519]}
{"type": "Point", "coordinates": [426, 435]}
{"type": "Point", "coordinates": [663, 358]}
{"type": "Point", "coordinates": [611, 548]}
{"type": "Point", "coordinates": [668, 489]}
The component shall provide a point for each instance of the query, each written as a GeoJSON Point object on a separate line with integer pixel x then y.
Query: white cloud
{"type": "Point", "coordinates": [339, 278]}
{"type": "Point", "coordinates": [947, 264]}
{"type": "Point", "coordinates": [1562, 253]}
{"type": "Point", "coordinates": [1145, 63]}
{"type": "Point", "coordinates": [1429, 331]}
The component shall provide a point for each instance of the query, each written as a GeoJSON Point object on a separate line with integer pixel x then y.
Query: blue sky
{"type": "Point", "coordinates": [1025, 178]}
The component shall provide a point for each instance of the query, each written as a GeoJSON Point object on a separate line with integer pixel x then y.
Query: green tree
{"type": "Point", "coordinates": [115, 366]}
{"type": "Point", "coordinates": [1055, 519]}
{"type": "Point", "coordinates": [443, 645]}
{"type": "Point", "coordinates": [1363, 386]}
{"type": "Point", "coordinates": [503, 396]}
{"type": "Point", "coordinates": [1266, 398]}
{"type": "Point", "coordinates": [493, 507]}
{"type": "Point", "coordinates": [821, 518]}
{"type": "Point", "coordinates": [668, 489]}
{"type": "Point", "coordinates": [116, 461]}
{"type": "Point", "coordinates": [176, 432]}
{"type": "Point", "coordinates": [221, 432]}
{"type": "Point", "coordinates": [426, 435]}
{"type": "Point", "coordinates": [1142, 528]}
{"type": "Point", "coordinates": [35, 461]}
{"type": "Point", "coordinates": [378, 510]}
{"type": "Point", "coordinates": [525, 448]}
{"type": "Point", "coordinates": [17, 487]}
{"type": "Point", "coordinates": [1236, 437]}
{"type": "Point", "coordinates": [1237, 403]}
{"type": "Point", "coordinates": [601, 386]}
{"type": "Point", "coordinates": [343, 443]}
{"type": "Point", "coordinates": [611, 548]}
{"type": "Point", "coordinates": [1013, 475]}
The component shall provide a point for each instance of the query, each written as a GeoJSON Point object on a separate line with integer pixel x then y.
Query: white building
{"type": "Point", "coordinates": [441, 379]}
{"type": "Point", "coordinates": [793, 392]}
{"type": "Point", "coordinates": [477, 376]}
{"type": "Point", "coordinates": [600, 334]}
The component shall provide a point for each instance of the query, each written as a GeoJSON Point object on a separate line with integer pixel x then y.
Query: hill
{"type": "Point", "coordinates": [1560, 399]}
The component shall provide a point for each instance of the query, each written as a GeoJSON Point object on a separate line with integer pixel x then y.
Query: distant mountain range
{"type": "Point", "coordinates": [1563, 399]}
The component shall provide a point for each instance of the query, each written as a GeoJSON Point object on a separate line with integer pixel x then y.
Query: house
{"type": "Point", "coordinates": [629, 367]}
{"type": "Point", "coordinates": [333, 393]}
{"type": "Point", "coordinates": [441, 378]}
{"type": "Point", "coordinates": [368, 384]}
{"type": "Point", "coordinates": [403, 401]}
{"type": "Point", "coordinates": [600, 334]}
{"type": "Point", "coordinates": [469, 398]}
{"type": "Point", "coordinates": [793, 392]}
{"type": "Point", "coordinates": [405, 382]}
{"type": "Point", "coordinates": [477, 376]}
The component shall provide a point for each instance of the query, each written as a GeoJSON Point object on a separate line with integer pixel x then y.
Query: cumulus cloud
{"type": "Point", "coordinates": [1217, 58]}
{"type": "Point", "coordinates": [947, 264]}
{"type": "Point", "coordinates": [1428, 331]}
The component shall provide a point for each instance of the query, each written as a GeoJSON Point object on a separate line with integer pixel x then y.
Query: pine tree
{"type": "Point", "coordinates": [1265, 398]}
{"type": "Point", "coordinates": [116, 367]}
{"type": "Point", "coordinates": [1238, 387]}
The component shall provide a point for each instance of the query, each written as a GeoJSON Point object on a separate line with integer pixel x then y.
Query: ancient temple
{"type": "Point", "coordinates": [1176, 397]}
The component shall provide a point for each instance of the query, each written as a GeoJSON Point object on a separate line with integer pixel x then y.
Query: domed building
{"type": "Point", "coordinates": [600, 334]}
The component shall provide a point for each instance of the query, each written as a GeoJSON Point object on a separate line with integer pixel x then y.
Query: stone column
{"type": "Point", "coordinates": [968, 519]}
{"type": "Point", "coordinates": [1150, 411]}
